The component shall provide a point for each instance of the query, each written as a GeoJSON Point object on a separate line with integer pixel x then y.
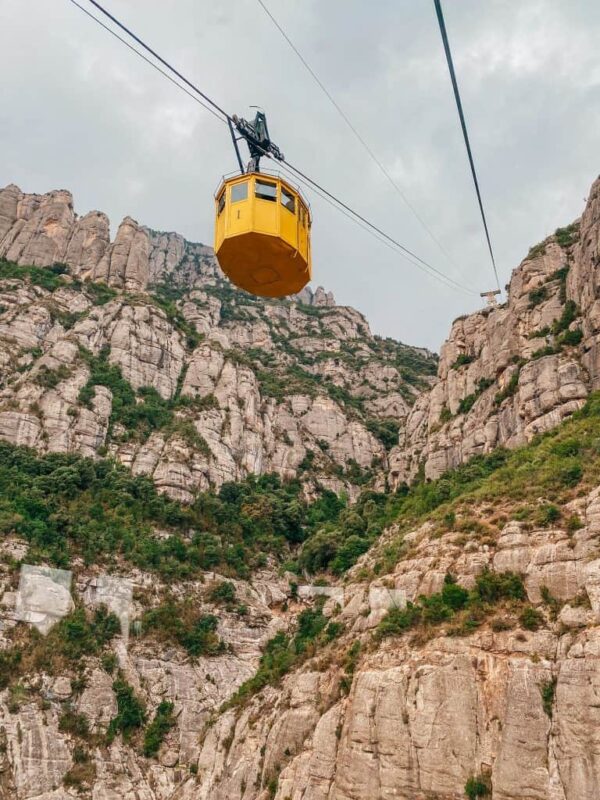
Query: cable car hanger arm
{"type": "Point", "coordinates": [256, 136]}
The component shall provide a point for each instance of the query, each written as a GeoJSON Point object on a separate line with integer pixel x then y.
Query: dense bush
{"type": "Point", "coordinates": [462, 360]}
{"type": "Point", "coordinates": [223, 593]}
{"type": "Point", "coordinates": [155, 733]}
{"type": "Point", "coordinates": [490, 589]}
{"type": "Point", "coordinates": [282, 653]}
{"type": "Point", "coordinates": [78, 635]}
{"type": "Point", "coordinates": [531, 619]}
{"type": "Point", "coordinates": [548, 690]}
{"type": "Point", "coordinates": [131, 714]}
{"type": "Point", "coordinates": [48, 278]}
{"type": "Point", "coordinates": [537, 296]}
{"type": "Point", "coordinates": [477, 787]}
{"type": "Point", "coordinates": [64, 504]}
{"type": "Point", "coordinates": [386, 430]}
{"type": "Point", "coordinates": [181, 624]}
{"type": "Point", "coordinates": [74, 724]}
{"type": "Point", "coordinates": [568, 235]}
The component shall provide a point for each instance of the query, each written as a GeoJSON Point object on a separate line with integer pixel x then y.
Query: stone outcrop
{"type": "Point", "coordinates": [509, 372]}
{"type": "Point", "coordinates": [291, 387]}
{"type": "Point", "coordinates": [412, 719]}
{"type": "Point", "coordinates": [299, 388]}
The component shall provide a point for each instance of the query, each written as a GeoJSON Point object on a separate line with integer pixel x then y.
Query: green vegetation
{"type": "Point", "coordinates": [75, 724]}
{"type": "Point", "coordinates": [467, 403]}
{"type": "Point", "coordinates": [155, 733]}
{"type": "Point", "coordinates": [490, 589]}
{"type": "Point", "coordinates": [48, 278]}
{"type": "Point", "coordinates": [137, 418]}
{"type": "Point", "coordinates": [569, 315]}
{"type": "Point", "coordinates": [165, 297]}
{"type": "Point", "coordinates": [462, 360]}
{"type": "Point", "coordinates": [99, 293]}
{"type": "Point", "coordinates": [82, 774]}
{"type": "Point", "coordinates": [445, 415]}
{"type": "Point", "coordinates": [77, 635]}
{"type": "Point", "coordinates": [531, 619]}
{"type": "Point", "coordinates": [282, 653]}
{"type": "Point", "coordinates": [131, 714]}
{"type": "Point", "coordinates": [65, 505]}
{"type": "Point", "coordinates": [510, 389]}
{"type": "Point", "coordinates": [568, 235]}
{"type": "Point", "coordinates": [386, 430]}
{"type": "Point", "coordinates": [561, 276]}
{"type": "Point", "coordinates": [537, 296]}
{"type": "Point", "coordinates": [477, 787]}
{"type": "Point", "coordinates": [537, 250]}
{"type": "Point", "coordinates": [548, 690]}
{"type": "Point", "coordinates": [223, 593]}
{"type": "Point", "coordinates": [180, 623]}
{"type": "Point", "coordinates": [143, 412]}
{"type": "Point", "coordinates": [571, 338]}
{"type": "Point", "coordinates": [50, 378]}
{"type": "Point", "coordinates": [337, 545]}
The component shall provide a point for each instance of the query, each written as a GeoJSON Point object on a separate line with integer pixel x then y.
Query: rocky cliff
{"type": "Point", "coordinates": [148, 320]}
{"type": "Point", "coordinates": [263, 653]}
{"type": "Point", "coordinates": [508, 373]}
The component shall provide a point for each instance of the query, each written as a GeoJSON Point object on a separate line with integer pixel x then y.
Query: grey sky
{"type": "Point", "coordinates": [78, 111]}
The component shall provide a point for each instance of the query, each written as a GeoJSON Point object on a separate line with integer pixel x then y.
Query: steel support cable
{"type": "Point", "coordinates": [355, 216]}
{"type": "Point", "coordinates": [372, 233]}
{"type": "Point", "coordinates": [463, 124]}
{"type": "Point", "coordinates": [159, 58]}
{"type": "Point", "coordinates": [357, 134]}
{"type": "Point", "coordinates": [314, 184]}
{"type": "Point", "coordinates": [148, 61]}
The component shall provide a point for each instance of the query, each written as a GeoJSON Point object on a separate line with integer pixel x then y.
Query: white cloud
{"type": "Point", "coordinates": [82, 112]}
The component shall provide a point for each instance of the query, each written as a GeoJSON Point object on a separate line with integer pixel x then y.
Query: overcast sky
{"type": "Point", "coordinates": [79, 111]}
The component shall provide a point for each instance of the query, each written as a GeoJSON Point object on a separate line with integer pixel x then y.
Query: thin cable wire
{"type": "Point", "coordinates": [356, 133]}
{"type": "Point", "coordinates": [159, 58]}
{"type": "Point", "coordinates": [463, 124]}
{"type": "Point", "coordinates": [355, 216]}
{"type": "Point", "coordinates": [378, 230]}
{"type": "Point", "coordinates": [148, 61]}
{"type": "Point", "coordinates": [372, 233]}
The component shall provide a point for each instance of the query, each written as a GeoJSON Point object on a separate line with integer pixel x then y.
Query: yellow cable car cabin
{"type": "Point", "coordinates": [262, 234]}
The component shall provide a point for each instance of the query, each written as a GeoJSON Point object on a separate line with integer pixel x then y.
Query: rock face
{"type": "Point", "coordinates": [510, 372]}
{"type": "Point", "coordinates": [410, 719]}
{"type": "Point", "coordinates": [293, 387]}
{"type": "Point", "coordinates": [196, 385]}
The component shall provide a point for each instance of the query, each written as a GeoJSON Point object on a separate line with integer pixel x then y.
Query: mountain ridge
{"type": "Point", "coordinates": [436, 638]}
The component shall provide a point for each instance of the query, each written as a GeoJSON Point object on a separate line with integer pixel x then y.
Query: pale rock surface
{"type": "Point", "coordinates": [271, 398]}
{"type": "Point", "coordinates": [499, 344]}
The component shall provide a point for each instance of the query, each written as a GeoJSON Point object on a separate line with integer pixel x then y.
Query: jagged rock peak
{"type": "Point", "coordinates": [319, 297]}
{"type": "Point", "coordinates": [249, 385]}
{"type": "Point", "coordinates": [508, 373]}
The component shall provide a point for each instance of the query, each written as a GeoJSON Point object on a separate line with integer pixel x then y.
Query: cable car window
{"type": "Point", "coordinates": [221, 203]}
{"type": "Point", "coordinates": [239, 191]}
{"type": "Point", "coordinates": [288, 200]}
{"type": "Point", "coordinates": [266, 191]}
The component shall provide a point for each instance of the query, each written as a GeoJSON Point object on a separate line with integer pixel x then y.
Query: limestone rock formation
{"type": "Point", "coordinates": [246, 386]}
{"type": "Point", "coordinates": [510, 372]}
{"type": "Point", "coordinates": [196, 385]}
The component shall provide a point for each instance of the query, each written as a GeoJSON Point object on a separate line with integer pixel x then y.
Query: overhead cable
{"type": "Point", "coordinates": [463, 124]}
{"type": "Point", "coordinates": [223, 116]}
{"type": "Point", "coordinates": [355, 131]}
